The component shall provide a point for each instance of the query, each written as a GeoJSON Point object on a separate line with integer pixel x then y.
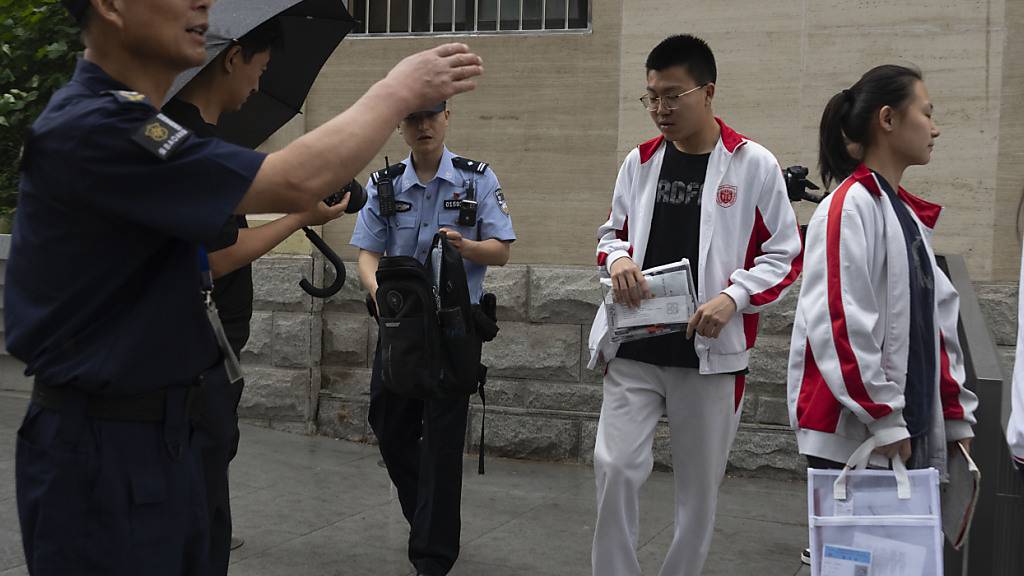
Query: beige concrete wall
{"type": "Point", "coordinates": [1010, 174]}
{"type": "Point", "coordinates": [556, 114]}
{"type": "Point", "coordinates": [780, 61]}
{"type": "Point", "coordinates": [543, 116]}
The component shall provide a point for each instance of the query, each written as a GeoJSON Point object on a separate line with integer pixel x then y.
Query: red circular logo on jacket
{"type": "Point", "coordinates": [726, 195]}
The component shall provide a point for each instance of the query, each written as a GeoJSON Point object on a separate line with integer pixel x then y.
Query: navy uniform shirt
{"type": "Point", "coordinates": [102, 286]}
{"type": "Point", "coordinates": [421, 212]}
{"type": "Point", "coordinates": [232, 292]}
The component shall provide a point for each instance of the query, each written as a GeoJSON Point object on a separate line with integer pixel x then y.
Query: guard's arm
{"type": "Point", "coordinates": [325, 159]}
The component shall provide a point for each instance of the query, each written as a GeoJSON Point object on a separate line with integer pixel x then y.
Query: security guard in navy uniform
{"type": "Point", "coordinates": [422, 441]}
{"type": "Point", "coordinates": [107, 293]}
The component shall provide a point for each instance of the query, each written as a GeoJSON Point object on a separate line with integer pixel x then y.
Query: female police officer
{"type": "Point", "coordinates": [429, 187]}
{"type": "Point", "coordinates": [103, 288]}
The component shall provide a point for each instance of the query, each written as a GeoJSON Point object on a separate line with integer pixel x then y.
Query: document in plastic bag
{"type": "Point", "coordinates": [670, 308]}
{"type": "Point", "coordinates": [843, 561]}
{"type": "Point", "coordinates": [892, 557]}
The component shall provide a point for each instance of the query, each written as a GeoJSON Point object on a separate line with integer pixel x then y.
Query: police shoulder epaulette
{"type": "Point", "coordinates": [392, 171]}
{"type": "Point", "coordinates": [129, 97]}
{"type": "Point", "coordinates": [469, 165]}
{"type": "Point", "coordinates": [161, 136]}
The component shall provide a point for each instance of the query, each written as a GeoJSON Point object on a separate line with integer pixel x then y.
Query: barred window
{"type": "Point", "coordinates": [415, 17]}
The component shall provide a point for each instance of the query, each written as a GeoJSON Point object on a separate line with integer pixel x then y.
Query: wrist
{"type": "Point", "coordinates": [389, 90]}
{"type": "Point", "coordinates": [300, 220]}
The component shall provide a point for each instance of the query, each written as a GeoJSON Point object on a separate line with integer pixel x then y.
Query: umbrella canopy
{"type": "Point", "coordinates": [311, 29]}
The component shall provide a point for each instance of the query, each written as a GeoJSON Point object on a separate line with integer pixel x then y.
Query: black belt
{"type": "Point", "coordinates": [144, 407]}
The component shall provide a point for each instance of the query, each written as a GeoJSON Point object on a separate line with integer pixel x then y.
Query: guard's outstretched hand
{"type": "Point", "coordinates": [426, 78]}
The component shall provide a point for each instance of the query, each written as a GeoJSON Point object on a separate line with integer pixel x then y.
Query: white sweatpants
{"type": "Point", "coordinates": [703, 415]}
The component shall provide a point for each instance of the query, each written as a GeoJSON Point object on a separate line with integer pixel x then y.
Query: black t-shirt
{"type": "Point", "coordinates": [232, 292]}
{"type": "Point", "coordinates": [675, 234]}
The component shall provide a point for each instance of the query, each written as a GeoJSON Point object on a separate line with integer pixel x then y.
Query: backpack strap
{"type": "Point", "coordinates": [482, 379]}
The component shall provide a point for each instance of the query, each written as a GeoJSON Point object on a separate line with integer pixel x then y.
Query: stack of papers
{"type": "Point", "coordinates": [670, 308]}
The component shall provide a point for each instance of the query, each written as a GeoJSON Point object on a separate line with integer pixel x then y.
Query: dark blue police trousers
{"type": "Point", "coordinates": [107, 497]}
{"type": "Point", "coordinates": [422, 442]}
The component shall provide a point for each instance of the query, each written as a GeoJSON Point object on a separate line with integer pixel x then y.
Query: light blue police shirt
{"type": "Point", "coordinates": [421, 213]}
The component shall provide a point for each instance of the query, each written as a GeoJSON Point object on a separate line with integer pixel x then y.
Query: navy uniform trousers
{"type": "Point", "coordinates": [422, 442]}
{"type": "Point", "coordinates": [111, 497]}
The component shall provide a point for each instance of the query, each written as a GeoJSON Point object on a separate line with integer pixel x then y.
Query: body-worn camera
{"type": "Point", "coordinates": [467, 208]}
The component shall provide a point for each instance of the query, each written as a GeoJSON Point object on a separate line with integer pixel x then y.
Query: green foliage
{"type": "Point", "coordinates": [39, 43]}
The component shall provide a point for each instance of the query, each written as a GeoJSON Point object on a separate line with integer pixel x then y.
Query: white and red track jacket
{"type": "Point", "coordinates": [848, 355]}
{"type": "Point", "coordinates": [1015, 431]}
{"type": "Point", "coordinates": [749, 240]}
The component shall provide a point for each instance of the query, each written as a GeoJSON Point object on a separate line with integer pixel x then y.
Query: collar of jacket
{"type": "Point", "coordinates": [927, 212]}
{"type": "Point", "coordinates": [731, 140]}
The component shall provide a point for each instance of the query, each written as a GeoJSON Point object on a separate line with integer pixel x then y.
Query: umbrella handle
{"type": "Point", "coordinates": [334, 259]}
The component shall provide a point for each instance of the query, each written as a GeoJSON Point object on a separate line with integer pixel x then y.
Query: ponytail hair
{"type": "Point", "coordinates": [848, 116]}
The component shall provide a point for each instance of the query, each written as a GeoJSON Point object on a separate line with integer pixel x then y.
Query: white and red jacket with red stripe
{"type": "Point", "coordinates": [851, 334]}
{"type": "Point", "coordinates": [749, 240]}
{"type": "Point", "coordinates": [1015, 431]}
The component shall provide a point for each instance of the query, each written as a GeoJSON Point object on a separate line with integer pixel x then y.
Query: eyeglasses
{"type": "Point", "coordinates": [671, 102]}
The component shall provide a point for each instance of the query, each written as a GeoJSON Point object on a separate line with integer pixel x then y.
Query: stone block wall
{"type": "Point", "coordinates": [282, 358]}
{"type": "Point", "coordinates": [542, 402]}
{"type": "Point", "coordinates": [308, 361]}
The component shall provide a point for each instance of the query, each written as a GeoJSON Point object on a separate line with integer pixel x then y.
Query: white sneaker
{"type": "Point", "coordinates": [805, 556]}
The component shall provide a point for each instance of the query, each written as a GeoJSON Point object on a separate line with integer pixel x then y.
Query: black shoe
{"type": "Point", "coordinates": [805, 556]}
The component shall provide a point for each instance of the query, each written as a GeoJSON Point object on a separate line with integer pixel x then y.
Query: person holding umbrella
{"type": "Point", "coordinates": [221, 87]}
{"type": "Point", "coordinates": [107, 292]}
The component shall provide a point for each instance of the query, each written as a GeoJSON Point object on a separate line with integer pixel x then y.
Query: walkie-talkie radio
{"type": "Point", "coordinates": [467, 208]}
{"type": "Point", "coordinates": [386, 192]}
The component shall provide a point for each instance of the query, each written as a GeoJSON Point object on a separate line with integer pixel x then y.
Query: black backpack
{"type": "Point", "coordinates": [430, 334]}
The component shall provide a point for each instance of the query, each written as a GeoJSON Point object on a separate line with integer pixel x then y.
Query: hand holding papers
{"type": "Point", "coordinates": [669, 309]}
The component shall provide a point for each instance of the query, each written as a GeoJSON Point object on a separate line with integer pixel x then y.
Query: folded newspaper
{"type": "Point", "coordinates": [670, 308]}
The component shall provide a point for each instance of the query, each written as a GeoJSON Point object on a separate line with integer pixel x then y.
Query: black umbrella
{"type": "Point", "coordinates": [312, 30]}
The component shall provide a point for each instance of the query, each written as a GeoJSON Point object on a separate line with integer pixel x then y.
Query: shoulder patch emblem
{"type": "Point", "coordinates": [502, 203]}
{"type": "Point", "coordinates": [161, 136]}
